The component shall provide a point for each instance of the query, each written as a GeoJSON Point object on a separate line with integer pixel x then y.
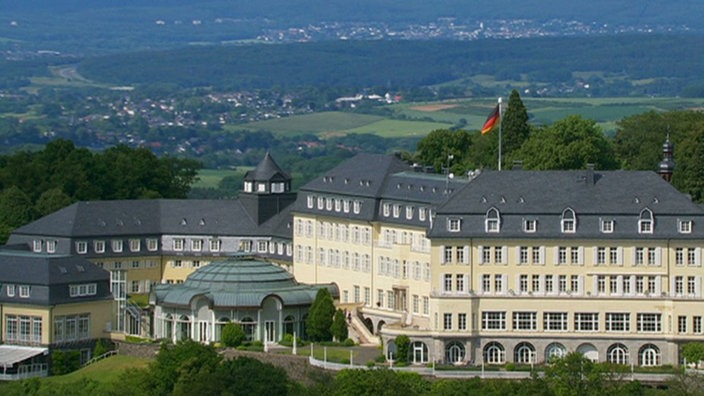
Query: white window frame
{"type": "Point", "coordinates": [646, 222]}
{"type": "Point", "coordinates": [152, 244]}
{"type": "Point", "coordinates": [492, 221]}
{"type": "Point", "coordinates": [81, 247]}
{"type": "Point", "coordinates": [684, 226]}
{"type": "Point", "coordinates": [568, 222]}
{"type": "Point", "coordinates": [116, 245]}
{"type": "Point", "coordinates": [607, 226]}
{"type": "Point", "coordinates": [530, 225]}
{"type": "Point", "coordinates": [135, 245]}
{"type": "Point", "coordinates": [454, 225]}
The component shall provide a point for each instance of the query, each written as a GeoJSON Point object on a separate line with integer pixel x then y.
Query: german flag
{"type": "Point", "coordinates": [491, 121]}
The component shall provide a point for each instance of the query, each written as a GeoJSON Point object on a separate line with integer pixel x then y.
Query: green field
{"type": "Point", "coordinates": [209, 178]}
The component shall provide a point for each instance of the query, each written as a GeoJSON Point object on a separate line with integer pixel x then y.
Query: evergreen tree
{"type": "Point", "coordinates": [320, 317]}
{"type": "Point", "coordinates": [233, 335]}
{"type": "Point", "coordinates": [339, 326]}
{"type": "Point", "coordinates": [514, 125]}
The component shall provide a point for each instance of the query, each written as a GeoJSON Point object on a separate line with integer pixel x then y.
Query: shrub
{"type": "Point", "coordinates": [345, 361]}
{"type": "Point", "coordinates": [371, 364]}
{"type": "Point", "coordinates": [64, 362]}
{"type": "Point", "coordinates": [380, 359]}
{"type": "Point", "coordinates": [403, 344]}
{"type": "Point", "coordinates": [510, 367]}
{"type": "Point", "coordinates": [233, 335]}
{"type": "Point", "coordinates": [349, 342]}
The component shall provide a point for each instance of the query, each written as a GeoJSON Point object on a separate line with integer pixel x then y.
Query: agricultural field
{"type": "Point", "coordinates": [418, 119]}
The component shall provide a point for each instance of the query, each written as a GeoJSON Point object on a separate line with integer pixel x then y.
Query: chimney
{"type": "Point", "coordinates": [589, 177]}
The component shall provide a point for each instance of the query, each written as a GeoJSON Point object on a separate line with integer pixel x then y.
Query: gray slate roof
{"type": "Point", "coordinates": [145, 217]}
{"type": "Point", "coordinates": [593, 195]}
{"type": "Point", "coordinates": [267, 170]}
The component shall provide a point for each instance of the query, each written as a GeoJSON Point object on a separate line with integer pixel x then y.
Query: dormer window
{"type": "Point", "coordinates": [607, 226]}
{"type": "Point", "coordinates": [454, 225]}
{"type": "Point", "coordinates": [386, 209]}
{"type": "Point", "coordinates": [310, 201]}
{"type": "Point", "coordinates": [530, 225]}
{"type": "Point", "coordinates": [277, 187]}
{"type": "Point", "coordinates": [116, 245]}
{"type": "Point", "coordinates": [492, 222]}
{"type": "Point", "coordinates": [51, 246]}
{"type": "Point", "coordinates": [215, 245]}
{"type": "Point", "coordinates": [409, 212]}
{"type": "Point", "coordinates": [135, 245]}
{"type": "Point", "coordinates": [645, 222]}
{"type": "Point", "coordinates": [321, 203]}
{"type": "Point", "coordinates": [422, 212]}
{"type": "Point", "coordinates": [261, 187]}
{"type": "Point", "coordinates": [99, 246]}
{"type": "Point", "coordinates": [81, 247]}
{"type": "Point", "coordinates": [684, 226]}
{"type": "Point", "coordinates": [178, 244]}
{"type": "Point", "coordinates": [248, 187]}
{"type": "Point", "coordinates": [346, 206]}
{"type": "Point", "coordinates": [196, 245]}
{"type": "Point", "coordinates": [397, 211]}
{"type": "Point", "coordinates": [328, 203]}
{"type": "Point", "coordinates": [356, 207]}
{"type": "Point", "coordinates": [569, 221]}
{"type": "Point", "coordinates": [338, 205]}
{"type": "Point", "coordinates": [37, 245]}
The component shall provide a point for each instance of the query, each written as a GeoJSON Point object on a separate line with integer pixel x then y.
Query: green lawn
{"type": "Point", "coordinates": [317, 123]}
{"type": "Point", "coordinates": [209, 178]}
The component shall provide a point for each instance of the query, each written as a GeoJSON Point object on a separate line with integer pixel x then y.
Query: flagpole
{"type": "Point", "coordinates": [500, 128]}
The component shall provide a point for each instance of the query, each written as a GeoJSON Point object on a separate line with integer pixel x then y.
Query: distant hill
{"type": "Point", "coordinates": [94, 26]}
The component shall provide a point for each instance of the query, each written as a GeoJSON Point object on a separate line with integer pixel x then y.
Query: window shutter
{"type": "Point", "coordinates": [595, 255]}
{"type": "Point", "coordinates": [504, 255]}
{"type": "Point", "coordinates": [481, 255]}
{"type": "Point", "coordinates": [619, 254]}
{"type": "Point", "coordinates": [580, 284]}
{"type": "Point", "coordinates": [442, 254]}
{"type": "Point", "coordinates": [580, 255]}
{"type": "Point", "coordinates": [542, 255]}
{"type": "Point", "coordinates": [698, 256]}
{"type": "Point", "coordinates": [658, 256]}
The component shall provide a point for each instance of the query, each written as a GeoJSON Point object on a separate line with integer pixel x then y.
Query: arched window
{"type": "Point", "coordinates": [645, 222]}
{"type": "Point", "coordinates": [524, 353]}
{"type": "Point", "coordinates": [183, 328]}
{"type": "Point", "coordinates": [454, 352]}
{"type": "Point", "coordinates": [219, 325]}
{"type": "Point", "coordinates": [249, 327]}
{"type": "Point", "coordinates": [167, 328]}
{"type": "Point", "coordinates": [555, 350]}
{"type": "Point", "coordinates": [618, 354]}
{"type": "Point", "coordinates": [494, 353]}
{"type": "Point", "coordinates": [290, 325]}
{"type": "Point", "coordinates": [492, 222]}
{"type": "Point", "coordinates": [569, 221]}
{"type": "Point", "coordinates": [391, 351]}
{"type": "Point", "coordinates": [649, 355]}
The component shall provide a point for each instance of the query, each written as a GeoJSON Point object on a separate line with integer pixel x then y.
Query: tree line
{"type": "Point", "coordinates": [36, 183]}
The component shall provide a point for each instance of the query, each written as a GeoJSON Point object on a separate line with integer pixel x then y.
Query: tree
{"type": "Point", "coordinates": [403, 348]}
{"type": "Point", "coordinates": [514, 124]}
{"type": "Point", "coordinates": [233, 335]}
{"type": "Point", "coordinates": [339, 326]}
{"type": "Point", "coordinates": [693, 352]}
{"type": "Point", "coordinates": [50, 201]}
{"type": "Point", "coordinates": [16, 209]}
{"type": "Point", "coordinates": [320, 316]}
{"type": "Point", "coordinates": [437, 147]}
{"type": "Point", "coordinates": [173, 362]}
{"type": "Point", "coordinates": [379, 382]}
{"type": "Point", "coordinates": [570, 143]}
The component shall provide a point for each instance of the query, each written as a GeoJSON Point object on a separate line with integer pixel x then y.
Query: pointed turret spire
{"type": "Point", "coordinates": [667, 165]}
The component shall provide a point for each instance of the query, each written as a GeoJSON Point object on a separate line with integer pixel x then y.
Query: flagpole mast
{"type": "Point", "coordinates": [500, 128]}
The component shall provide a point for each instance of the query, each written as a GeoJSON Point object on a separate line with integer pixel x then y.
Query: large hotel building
{"type": "Point", "coordinates": [489, 267]}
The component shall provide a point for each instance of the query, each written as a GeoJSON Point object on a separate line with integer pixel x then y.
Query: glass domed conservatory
{"type": "Point", "coordinates": [263, 297]}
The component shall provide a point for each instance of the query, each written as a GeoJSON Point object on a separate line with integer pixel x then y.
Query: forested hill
{"type": "Point", "coordinates": [663, 65]}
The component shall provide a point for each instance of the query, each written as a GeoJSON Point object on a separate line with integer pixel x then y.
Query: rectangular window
{"type": "Point", "coordinates": [679, 256]}
{"type": "Point", "coordinates": [639, 284]}
{"type": "Point", "coordinates": [574, 256]}
{"type": "Point", "coordinates": [116, 245]}
{"type": "Point", "coordinates": [447, 283]}
{"type": "Point", "coordinates": [679, 285]}
{"type": "Point", "coordinates": [447, 321]}
{"type": "Point", "coordinates": [523, 283]}
{"type": "Point", "coordinates": [682, 324]}
{"type": "Point", "coordinates": [530, 225]}
{"type": "Point", "coordinates": [685, 226]}
{"type": "Point", "coordinates": [81, 247]}
{"type": "Point", "coordinates": [196, 245]}
{"type": "Point", "coordinates": [638, 258]}
{"type": "Point", "coordinates": [486, 283]}
{"type": "Point", "coordinates": [607, 226]}
{"type": "Point", "coordinates": [215, 245]}
{"type": "Point", "coordinates": [649, 323]}
{"type": "Point", "coordinates": [652, 256]}
{"type": "Point", "coordinates": [426, 305]}
{"type": "Point", "coordinates": [11, 328]}
{"type": "Point", "coordinates": [613, 284]}
{"type": "Point", "coordinates": [586, 321]}
{"type": "Point", "coordinates": [537, 256]}
{"type": "Point", "coordinates": [691, 256]}
{"type": "Point", "coordinates": [535, 283]}
{"type": "Point", "coordinates": [454, 225]}
{"type": "Point", "coordinates": [37, 245]}
{"type": "Point", "coordinates": [494, 320]}
{"type": "Point", "coordinates": [600, 255]}
{"type": "Point", "coordinates": [626, 284]}
{"type": "Point", "coordinates": [697, 324]}
{"type": "Point", "coordinates": [178, 244]}
{"type": "Point", "coordinates": [562, 283]}
{"type": "Point", "coordinates": [548, 284]}
{"type": "Point", "coordinates": [691, 285]}
{"type": "Point", "coordinates": [498, 283]}
{"type": "Point", "coordinates": [555, 321]}
{"type": "Point", "coordinates": [10, 290]}
{"type": "Point", "coordinates": [99, 246]}
{"type": "Point", "coordinates": [135, 245]}
{"type": "Point", "coordinates": [459, 283]}
{"type": "Point", "coordinates": [601, 284]}
{"type": "Point", "coordinates": [525, 321]}
{"type": "Point", "coordinates": [152, 244]}
{"type": "Point", "coordinates": [416, 304]}
{"type": "Point", "coordinates": [561, 255]}
{"type": "Point", "coordinates": [498, 254]}
{"type": "Point", "coordinates": [523, 255]}
{"type": "Point", "coordinates": [24, 291]}
{"type": "Point", "coordinates": [614, 256]}
{"type": "Point", "coordinates": [618, 322]}
{"type": "Point", "coordinates": [574, 283]}
{"type": "Point", "coordinates": [462, 321]}
{"type": "Point", "coordinates": [447, 255]}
